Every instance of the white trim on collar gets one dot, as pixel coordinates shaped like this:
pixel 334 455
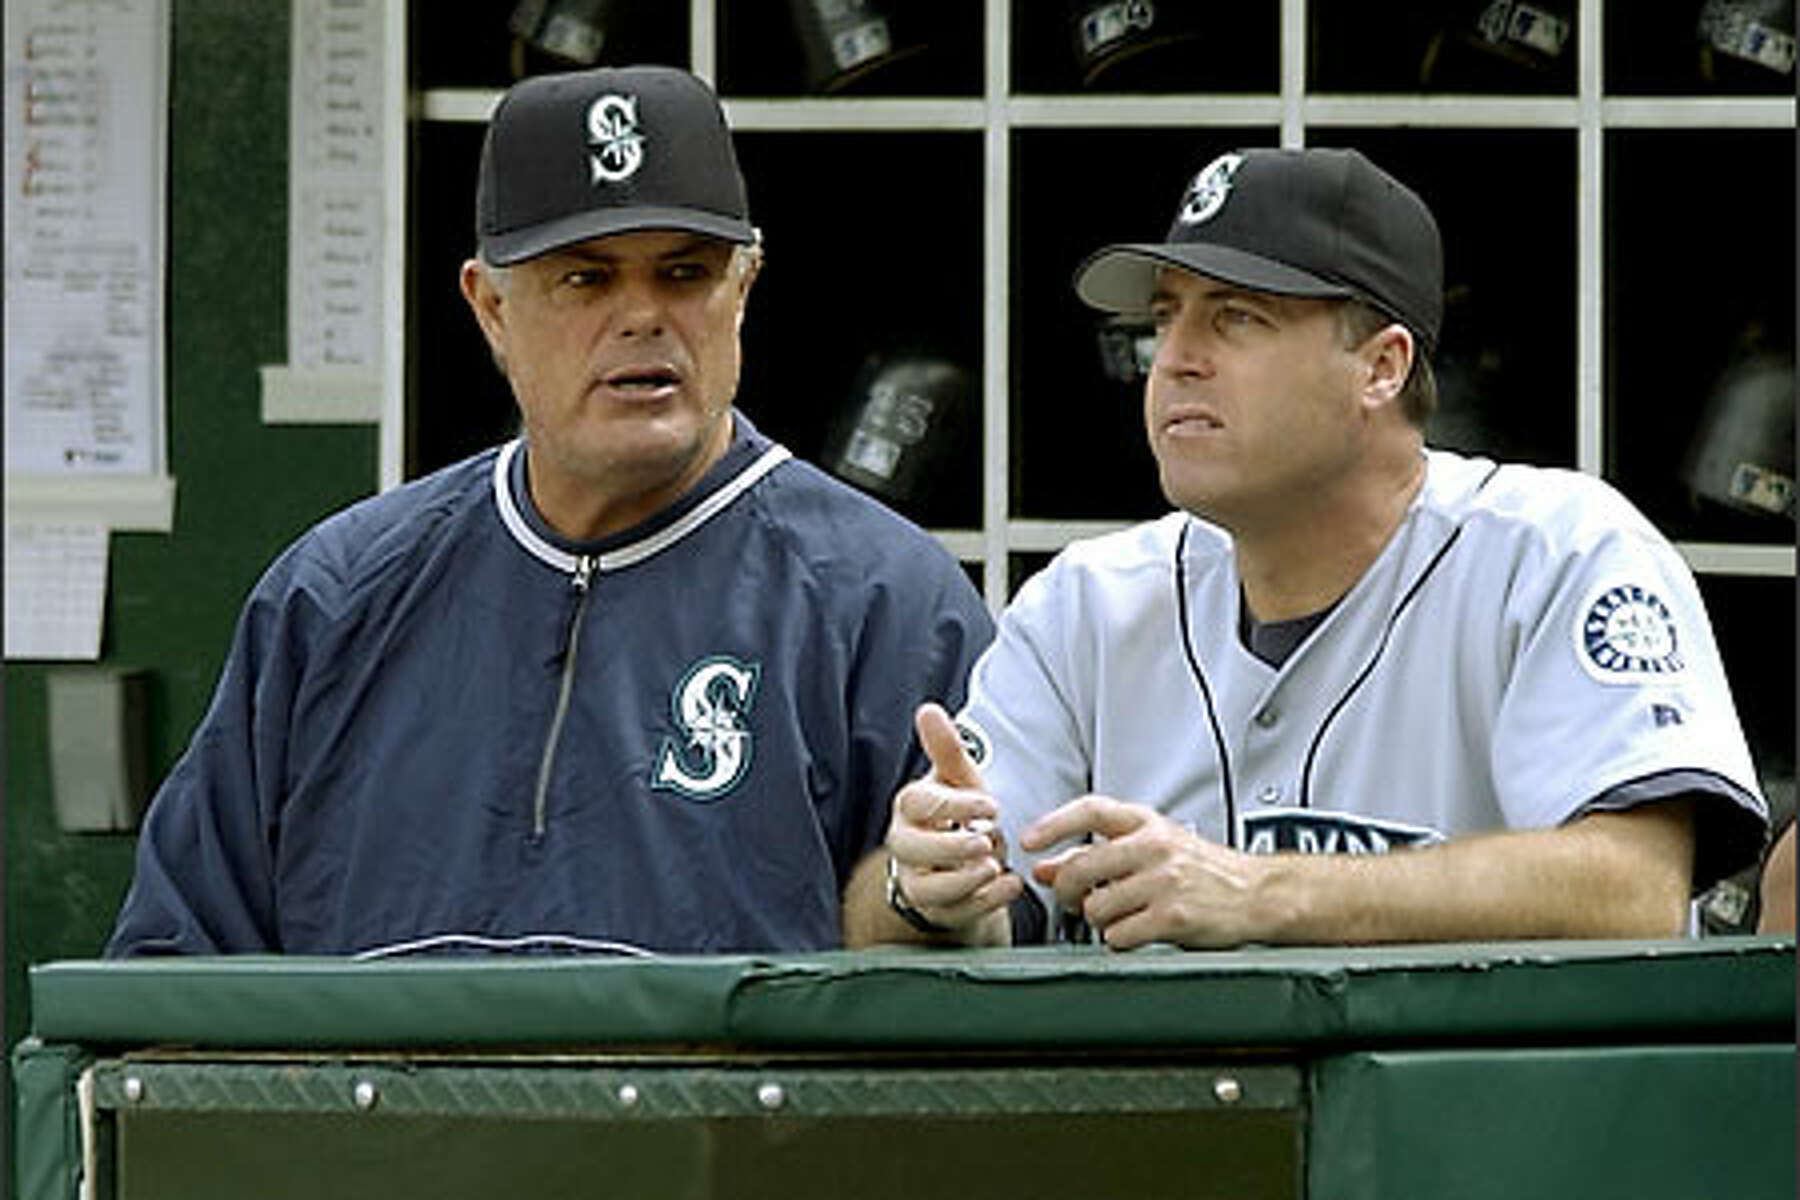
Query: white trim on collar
pixel 636 552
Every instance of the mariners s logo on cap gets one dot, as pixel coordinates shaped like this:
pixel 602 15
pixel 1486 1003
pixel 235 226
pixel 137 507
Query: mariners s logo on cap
pixel 616 146
pixel 1207 193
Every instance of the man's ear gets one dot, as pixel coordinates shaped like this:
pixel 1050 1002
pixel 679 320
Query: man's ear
pixel 748 268
pixel 753 266
pixel 487 301
pixel 1388 356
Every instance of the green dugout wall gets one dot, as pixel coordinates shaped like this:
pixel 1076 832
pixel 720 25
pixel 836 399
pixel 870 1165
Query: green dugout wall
pixel 243 488
pixel 1591 1069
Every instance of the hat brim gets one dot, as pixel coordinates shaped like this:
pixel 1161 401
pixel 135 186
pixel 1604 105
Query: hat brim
pixel 505 249
pixel 1121 279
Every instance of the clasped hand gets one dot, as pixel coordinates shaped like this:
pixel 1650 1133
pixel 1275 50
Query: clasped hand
pixel 1135 876
pixel 949 856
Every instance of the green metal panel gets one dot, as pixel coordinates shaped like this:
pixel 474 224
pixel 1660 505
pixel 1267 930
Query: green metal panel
pixel 198 1130
pixel 47 1145
pixel 651 1090
pixel 1636 1123
pixel 1159 1156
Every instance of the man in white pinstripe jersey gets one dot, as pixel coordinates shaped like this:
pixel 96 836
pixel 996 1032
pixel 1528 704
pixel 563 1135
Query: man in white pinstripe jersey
pixel 1353 689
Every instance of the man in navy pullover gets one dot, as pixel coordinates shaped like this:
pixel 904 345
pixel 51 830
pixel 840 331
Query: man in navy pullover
pixel 635 681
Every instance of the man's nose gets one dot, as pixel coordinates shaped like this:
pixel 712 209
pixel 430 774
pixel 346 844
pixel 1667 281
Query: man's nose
pixel 1183 347
pixel 641 312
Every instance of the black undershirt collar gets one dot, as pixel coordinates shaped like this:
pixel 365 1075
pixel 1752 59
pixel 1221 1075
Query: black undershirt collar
pixel 1274 641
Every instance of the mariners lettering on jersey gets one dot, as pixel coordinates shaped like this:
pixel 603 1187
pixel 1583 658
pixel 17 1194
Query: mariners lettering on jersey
pixel 617 146
pixel 1311 831
pixel 1626 633
pixel 712 709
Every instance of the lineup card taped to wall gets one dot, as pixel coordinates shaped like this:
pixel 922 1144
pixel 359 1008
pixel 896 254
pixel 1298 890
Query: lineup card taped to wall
pixel 85 116
pixel 336 200
pixel 86 111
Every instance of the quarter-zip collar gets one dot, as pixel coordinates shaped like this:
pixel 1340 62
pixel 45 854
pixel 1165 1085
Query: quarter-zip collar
pixel 747 460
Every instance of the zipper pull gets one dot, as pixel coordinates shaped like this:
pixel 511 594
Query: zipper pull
pixel 584 572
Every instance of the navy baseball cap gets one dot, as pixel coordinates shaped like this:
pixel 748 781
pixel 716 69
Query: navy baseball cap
pixel 1315 222
pixel 586 154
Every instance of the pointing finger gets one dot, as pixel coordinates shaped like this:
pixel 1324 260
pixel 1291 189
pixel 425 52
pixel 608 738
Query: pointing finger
pixel 944 746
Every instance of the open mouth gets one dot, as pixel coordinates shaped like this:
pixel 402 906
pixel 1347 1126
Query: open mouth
pixel 644 379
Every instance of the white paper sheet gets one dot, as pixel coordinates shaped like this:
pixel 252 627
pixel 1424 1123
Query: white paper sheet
pixel 85 120
pixel 55 589
pixel 336 199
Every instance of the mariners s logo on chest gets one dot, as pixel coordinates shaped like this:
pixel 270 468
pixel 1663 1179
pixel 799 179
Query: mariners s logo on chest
pixel 710 750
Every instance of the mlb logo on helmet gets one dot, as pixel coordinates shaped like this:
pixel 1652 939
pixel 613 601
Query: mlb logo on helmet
pixel 1123 40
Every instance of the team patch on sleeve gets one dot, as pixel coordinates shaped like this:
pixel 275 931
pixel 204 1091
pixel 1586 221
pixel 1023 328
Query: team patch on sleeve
pixel 1626 634
pixel 974 740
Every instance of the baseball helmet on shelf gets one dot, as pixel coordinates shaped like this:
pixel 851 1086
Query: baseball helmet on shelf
pixel 1128 41
pixel 845 42
pixel 562 35
pixel 1752 40
pixel 906 419
pixel 1501 42
pixel 1742 454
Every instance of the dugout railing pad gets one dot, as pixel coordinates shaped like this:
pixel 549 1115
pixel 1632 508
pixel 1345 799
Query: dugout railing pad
pixel 1643 1069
